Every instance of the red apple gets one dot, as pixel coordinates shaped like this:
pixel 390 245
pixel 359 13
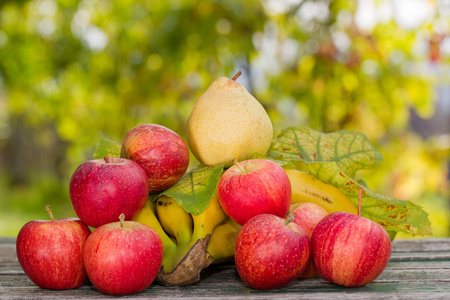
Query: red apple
pixel 252 187
pixel 270 252
pixel 162 154
pixel 51 252
pixel 350 250
pixel 307 216
pixel 102 189
pixel 123 257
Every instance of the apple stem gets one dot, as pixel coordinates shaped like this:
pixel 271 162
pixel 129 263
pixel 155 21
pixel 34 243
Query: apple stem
pixel 49 210
pixel 289 219
pixel 236 163
pixel 106 158
pixel 121 219
pixel 236 76
pixel 360 190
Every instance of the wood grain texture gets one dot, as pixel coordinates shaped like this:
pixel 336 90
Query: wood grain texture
pixel 418 269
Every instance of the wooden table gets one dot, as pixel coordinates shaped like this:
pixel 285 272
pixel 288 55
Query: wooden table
pixel 418 269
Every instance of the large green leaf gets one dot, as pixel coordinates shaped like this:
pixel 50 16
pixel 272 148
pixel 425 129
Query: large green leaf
pixel 196 188
pixel 107 148
pixel 392 214
pixel 335 158
pixel 351 150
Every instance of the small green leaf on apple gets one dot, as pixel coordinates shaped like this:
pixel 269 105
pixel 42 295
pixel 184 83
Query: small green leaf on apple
pixel 194 191
pixel 107 148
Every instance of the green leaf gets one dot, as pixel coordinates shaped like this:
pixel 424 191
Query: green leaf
pixel 392 214
pixel 107 148
pixel 351 150
pixel 335 158
pixel 196 188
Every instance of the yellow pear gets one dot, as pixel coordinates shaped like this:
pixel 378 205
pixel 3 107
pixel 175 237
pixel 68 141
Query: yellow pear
pixel 228 122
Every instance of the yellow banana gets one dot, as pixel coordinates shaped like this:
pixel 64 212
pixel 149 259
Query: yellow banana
pixel 205 222
pixel 172 253
pixel 222 241
pixel 174 219
pixel 185 253
pixel 307 188
pixel 148 217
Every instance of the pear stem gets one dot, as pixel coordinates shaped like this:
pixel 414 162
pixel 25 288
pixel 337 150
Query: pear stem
pixel 236 163
pixel 121 219
pixel 236 76
pixel 106 158
pixel 49 210
pixel 360 190
pixel 289 219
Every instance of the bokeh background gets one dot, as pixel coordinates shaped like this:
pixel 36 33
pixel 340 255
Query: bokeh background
pixel 73 71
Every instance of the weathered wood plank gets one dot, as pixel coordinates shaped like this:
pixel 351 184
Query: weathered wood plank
pixel 400 256
pixel 225 282
pixel 421 245
pixel 405 264
pixel 7 249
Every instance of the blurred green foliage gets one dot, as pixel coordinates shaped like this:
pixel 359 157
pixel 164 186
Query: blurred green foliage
pixel 73 71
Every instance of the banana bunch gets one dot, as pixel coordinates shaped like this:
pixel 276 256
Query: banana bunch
pixel 191 242
pixel 307 188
